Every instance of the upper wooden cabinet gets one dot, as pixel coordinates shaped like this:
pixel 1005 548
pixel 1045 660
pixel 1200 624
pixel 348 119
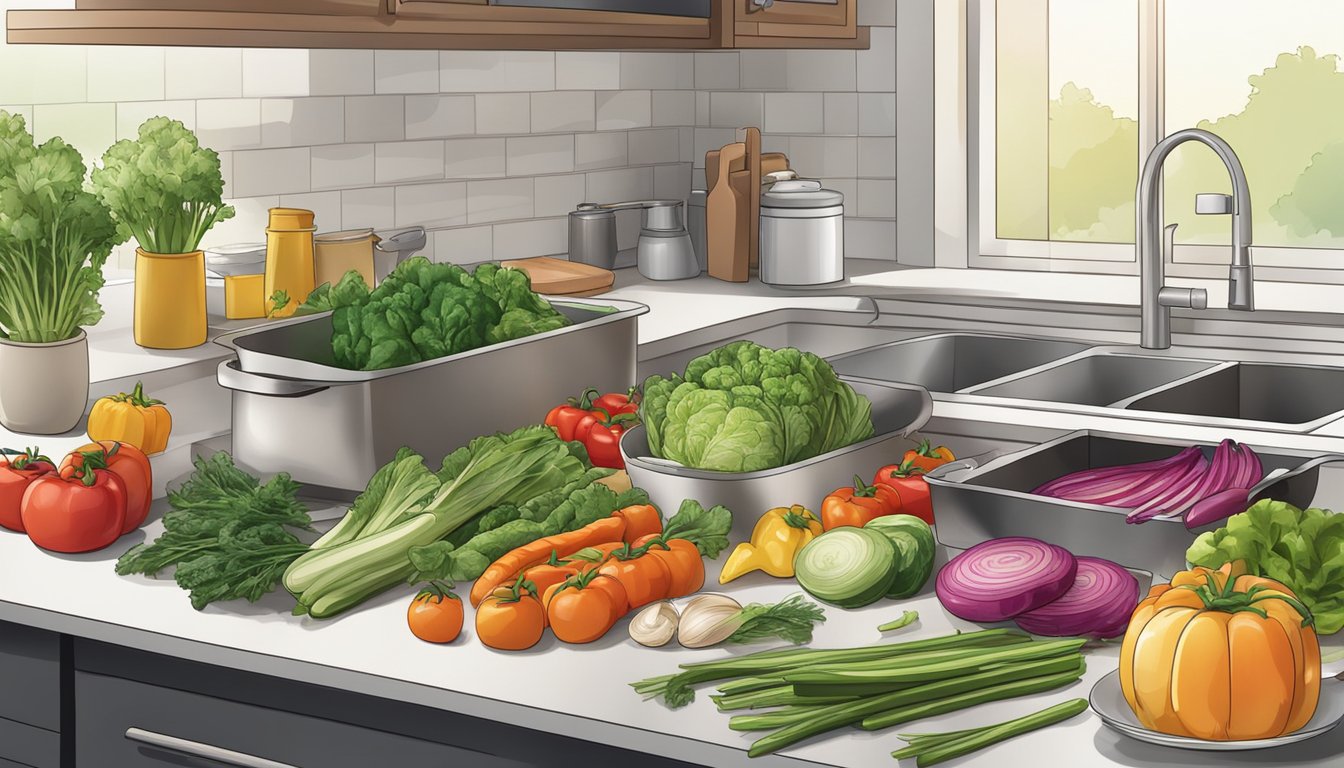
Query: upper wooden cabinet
pixel 444 24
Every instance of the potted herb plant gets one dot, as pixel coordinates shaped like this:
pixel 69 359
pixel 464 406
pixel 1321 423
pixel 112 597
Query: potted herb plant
pixel 165 190
pixel 55 237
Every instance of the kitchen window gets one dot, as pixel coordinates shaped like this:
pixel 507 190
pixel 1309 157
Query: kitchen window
pixel 1070 95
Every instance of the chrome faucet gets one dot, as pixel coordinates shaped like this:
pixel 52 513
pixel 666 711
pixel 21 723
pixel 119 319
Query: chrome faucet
pixel 1156 298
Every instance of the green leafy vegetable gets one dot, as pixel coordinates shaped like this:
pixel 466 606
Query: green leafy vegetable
pixel 518 525
pixel 500 469
pixel 791 619
pixel 424 310
pixel 227 533
pixel 164 189
pixel 707 529
pixel 55 238
pixel 744 407
pixel 1303 549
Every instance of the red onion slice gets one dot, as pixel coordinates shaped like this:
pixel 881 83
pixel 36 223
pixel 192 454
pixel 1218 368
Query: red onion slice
pixel 1001 578
pixel 1098 604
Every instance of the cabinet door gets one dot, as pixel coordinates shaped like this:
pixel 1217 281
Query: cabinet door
pixel 131 724
pixel 821 12
pixel 30 676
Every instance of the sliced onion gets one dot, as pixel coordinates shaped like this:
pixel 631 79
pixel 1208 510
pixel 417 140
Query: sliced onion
pixel 1098 604
pixel 1175 495
pixel 1081 481
pixel 1001 578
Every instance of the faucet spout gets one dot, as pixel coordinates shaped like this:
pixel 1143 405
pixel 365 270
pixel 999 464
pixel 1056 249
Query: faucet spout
pixel 1156 313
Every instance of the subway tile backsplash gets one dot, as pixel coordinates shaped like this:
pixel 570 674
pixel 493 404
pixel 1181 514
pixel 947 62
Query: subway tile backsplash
pixel 487 149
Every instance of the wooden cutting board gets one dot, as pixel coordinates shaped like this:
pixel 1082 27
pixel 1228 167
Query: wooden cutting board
pixel 559 277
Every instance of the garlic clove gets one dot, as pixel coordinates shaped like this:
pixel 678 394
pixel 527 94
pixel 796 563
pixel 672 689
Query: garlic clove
pixel 655 625
pixel 708 620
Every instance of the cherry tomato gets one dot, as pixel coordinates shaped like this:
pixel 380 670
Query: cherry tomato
pixel 645 578
pixel 18 470
pixel 435 615
pixel 583 609
pixel 615 403
pixel 130 465
pixel 79 514
pixel 511 618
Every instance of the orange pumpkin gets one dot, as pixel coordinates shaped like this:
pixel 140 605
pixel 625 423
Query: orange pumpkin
pixel 1220 655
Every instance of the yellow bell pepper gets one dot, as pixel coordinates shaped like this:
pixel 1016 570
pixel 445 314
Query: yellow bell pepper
pixel 775 542
pixel 132 419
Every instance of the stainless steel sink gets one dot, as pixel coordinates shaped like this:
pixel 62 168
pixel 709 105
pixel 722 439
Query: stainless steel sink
pixel 1095 379
pixel 951 362
pixel 1298 396
pixel 823 332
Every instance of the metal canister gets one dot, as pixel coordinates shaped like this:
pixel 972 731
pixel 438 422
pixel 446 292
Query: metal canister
pixel 339 252
pixel 592 237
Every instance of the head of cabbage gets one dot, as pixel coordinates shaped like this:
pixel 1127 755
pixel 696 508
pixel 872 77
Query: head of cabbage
pixel 744 407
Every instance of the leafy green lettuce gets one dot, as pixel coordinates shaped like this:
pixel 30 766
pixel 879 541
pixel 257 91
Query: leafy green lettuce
pixel 1303 549
pixel 744 407
pixel 423 311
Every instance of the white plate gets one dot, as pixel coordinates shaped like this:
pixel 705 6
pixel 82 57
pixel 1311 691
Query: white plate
pixel 1108 701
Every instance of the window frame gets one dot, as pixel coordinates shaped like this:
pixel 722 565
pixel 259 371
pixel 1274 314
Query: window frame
pixel 986 250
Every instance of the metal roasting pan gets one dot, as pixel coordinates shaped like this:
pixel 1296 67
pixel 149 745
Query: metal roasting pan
pixel 293 409
pixel 898 410
pixel 974 502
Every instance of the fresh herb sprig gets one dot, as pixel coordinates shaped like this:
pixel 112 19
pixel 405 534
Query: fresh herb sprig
pixel 228 534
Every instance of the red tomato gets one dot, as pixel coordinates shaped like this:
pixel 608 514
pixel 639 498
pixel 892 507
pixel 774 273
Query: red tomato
pixel 856 506
pixel 615 404
pixel 130 465
pixel 905 478
pixel 17 472
pixel 80 514
pixel 602 438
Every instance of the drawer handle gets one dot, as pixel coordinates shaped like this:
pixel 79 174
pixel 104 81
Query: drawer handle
pixel 197 749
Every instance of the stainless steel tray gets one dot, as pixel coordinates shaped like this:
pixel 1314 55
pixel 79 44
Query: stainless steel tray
pixel 993 500
pixel 332 427
pixel 898 410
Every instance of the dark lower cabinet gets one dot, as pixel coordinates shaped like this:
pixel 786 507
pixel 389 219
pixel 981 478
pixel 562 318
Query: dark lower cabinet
pixel 30 696
pixel 135 709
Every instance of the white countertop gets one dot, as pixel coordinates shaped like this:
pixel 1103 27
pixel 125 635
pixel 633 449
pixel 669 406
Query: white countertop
pixel 370 650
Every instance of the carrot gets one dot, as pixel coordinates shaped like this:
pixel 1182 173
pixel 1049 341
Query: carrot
pixel 640 520
pixel 590 558
pixel 514 562
pixel 551 572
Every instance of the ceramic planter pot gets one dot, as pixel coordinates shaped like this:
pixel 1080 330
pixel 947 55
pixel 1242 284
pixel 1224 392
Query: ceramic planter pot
pixel 44 387
pixel 169 299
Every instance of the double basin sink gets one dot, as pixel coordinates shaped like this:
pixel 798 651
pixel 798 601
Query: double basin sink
pixel 1034 372
pixel 1037 372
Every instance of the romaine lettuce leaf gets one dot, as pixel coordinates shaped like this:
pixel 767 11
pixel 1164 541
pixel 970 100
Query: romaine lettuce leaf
pixel 1303 549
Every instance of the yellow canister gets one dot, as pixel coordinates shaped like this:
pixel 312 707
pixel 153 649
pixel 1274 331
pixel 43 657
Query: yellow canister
pixel 340 252
pixel 169 299
pixel 244 296
pixel 289 258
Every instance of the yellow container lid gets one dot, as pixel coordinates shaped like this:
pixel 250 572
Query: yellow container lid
pixel 291 218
